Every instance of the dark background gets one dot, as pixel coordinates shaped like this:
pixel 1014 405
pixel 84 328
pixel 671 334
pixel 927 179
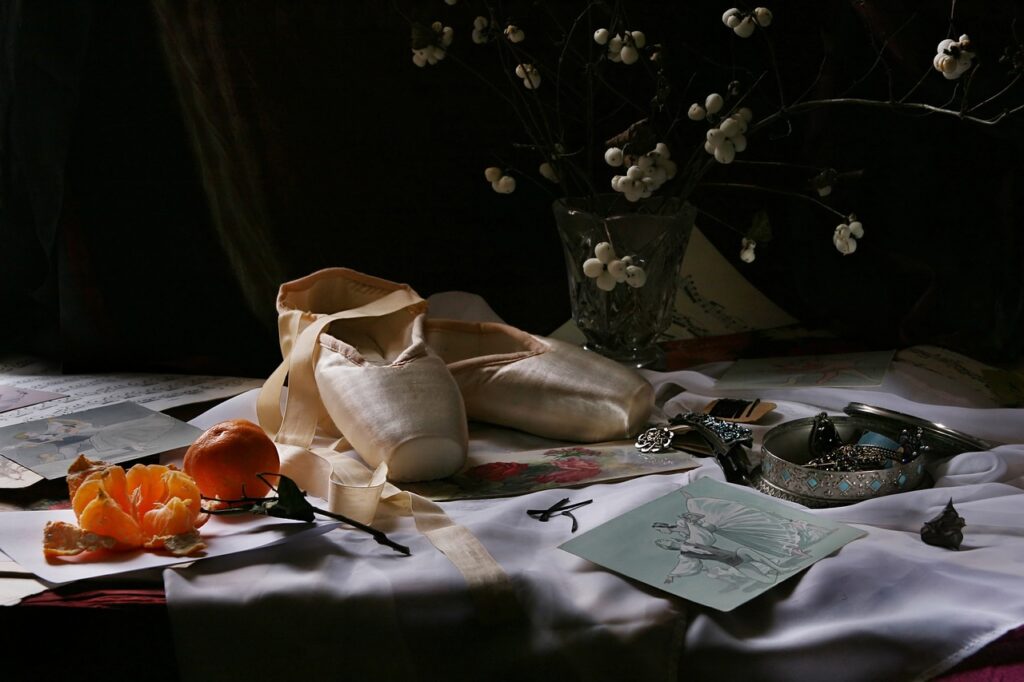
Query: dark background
pixel 166 165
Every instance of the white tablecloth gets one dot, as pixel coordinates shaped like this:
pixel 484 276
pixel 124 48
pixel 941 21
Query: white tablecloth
pixel 887 606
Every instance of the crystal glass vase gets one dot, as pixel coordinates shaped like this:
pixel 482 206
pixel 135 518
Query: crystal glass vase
pixel 623 262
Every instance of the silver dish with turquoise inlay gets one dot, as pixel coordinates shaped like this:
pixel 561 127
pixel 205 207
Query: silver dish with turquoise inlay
pixel 783 472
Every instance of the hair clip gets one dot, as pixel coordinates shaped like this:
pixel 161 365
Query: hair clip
pixel 560 508
pixel 738 410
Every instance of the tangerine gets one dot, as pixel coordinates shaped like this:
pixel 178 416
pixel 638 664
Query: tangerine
pixel 227 458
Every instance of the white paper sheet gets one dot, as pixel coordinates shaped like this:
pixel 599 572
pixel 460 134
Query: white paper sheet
pixel 14 397
pixel 16 583
pixel 21 538
pixel 83 391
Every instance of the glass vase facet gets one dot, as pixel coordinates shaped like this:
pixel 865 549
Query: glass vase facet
pixel 624 322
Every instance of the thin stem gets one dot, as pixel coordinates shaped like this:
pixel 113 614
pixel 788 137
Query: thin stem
pixel 997 95
pixel 377 535
pixel 924 76
pixel 909 107
pixel 880 54
pixel 262 505
pixel 777 164
pixel 720 221
pixel 772 190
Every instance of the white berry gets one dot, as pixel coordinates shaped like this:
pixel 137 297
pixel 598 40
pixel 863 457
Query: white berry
pixel 613 157
pixel 745 28
pixel 605 281
pixel 747 254
pixel 635 276
pixel 731 127
pixel 629 54
pixel 514 34
pixel 506 184
pixel 725 152
pixel 763 16
pixel 604 252
pixel 592 267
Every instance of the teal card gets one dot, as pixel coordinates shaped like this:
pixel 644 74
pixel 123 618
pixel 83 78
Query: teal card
pixel 712 543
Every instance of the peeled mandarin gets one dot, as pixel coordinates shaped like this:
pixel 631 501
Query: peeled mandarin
pixel 150 506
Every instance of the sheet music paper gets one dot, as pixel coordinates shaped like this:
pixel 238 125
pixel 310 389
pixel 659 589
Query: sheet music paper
pixel 84 391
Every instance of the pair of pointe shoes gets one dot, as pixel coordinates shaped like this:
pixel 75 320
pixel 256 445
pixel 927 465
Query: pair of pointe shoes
pixel 400 386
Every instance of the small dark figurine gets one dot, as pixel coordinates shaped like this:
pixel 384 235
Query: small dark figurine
pixel 945 530
pixel 824 438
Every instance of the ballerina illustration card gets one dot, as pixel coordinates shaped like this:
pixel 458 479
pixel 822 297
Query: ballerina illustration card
pixel 112 433
pixel 712 543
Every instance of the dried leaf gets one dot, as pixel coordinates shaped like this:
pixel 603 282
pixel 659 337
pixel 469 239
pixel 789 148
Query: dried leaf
pixel 760 228
pixel 945 530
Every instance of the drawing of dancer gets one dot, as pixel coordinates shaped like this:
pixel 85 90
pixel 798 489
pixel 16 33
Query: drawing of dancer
pixel 758 530
pixel 696 557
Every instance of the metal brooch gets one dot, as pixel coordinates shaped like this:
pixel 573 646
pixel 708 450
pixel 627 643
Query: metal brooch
pixel 726 440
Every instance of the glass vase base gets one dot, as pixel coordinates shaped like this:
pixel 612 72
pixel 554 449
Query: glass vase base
pixel 651 357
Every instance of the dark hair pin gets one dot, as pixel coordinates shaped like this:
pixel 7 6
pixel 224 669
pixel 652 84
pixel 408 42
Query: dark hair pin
pixel 560 508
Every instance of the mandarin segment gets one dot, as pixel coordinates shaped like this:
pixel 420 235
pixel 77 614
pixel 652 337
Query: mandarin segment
pixel 102 516
pixel 178 484
pixel 85 494
pixel 147 486
pixel 172 518
pixel 115 483
pixel 227 458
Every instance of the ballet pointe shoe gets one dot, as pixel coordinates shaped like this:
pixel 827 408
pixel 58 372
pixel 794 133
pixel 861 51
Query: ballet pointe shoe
pixel 393 399
pixel 316 300
pixel 539 385
pixel 330 291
